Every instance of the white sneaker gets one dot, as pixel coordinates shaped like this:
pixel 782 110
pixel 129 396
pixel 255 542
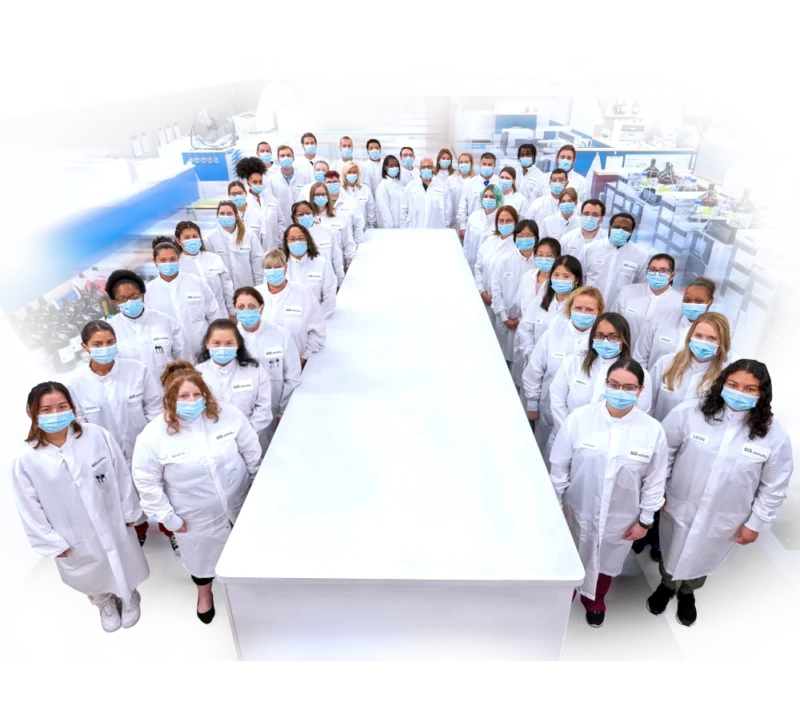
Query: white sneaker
pixel 174 543
pixel 131 612
pixel 109 615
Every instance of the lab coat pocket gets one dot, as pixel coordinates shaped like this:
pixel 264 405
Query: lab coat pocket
pixel 196 309
pixel 80 556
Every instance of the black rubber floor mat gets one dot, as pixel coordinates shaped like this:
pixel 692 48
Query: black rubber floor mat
pixel 631 634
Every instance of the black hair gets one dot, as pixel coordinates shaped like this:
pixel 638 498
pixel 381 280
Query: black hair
pixel 248 166
pixel 708 284
pixel 557 171
pixel 623 329
pixel 187 224
pixel 570 263
pixel 759 419
pixel 598 202
pixel 162 242
pixel 34 401
pixel 124 276
pixel 623 215
pixel 243 357
pixel 531 225
pixel 526 146
pixel 554 244
pixel 384 173
pixel 630 365
pixel 250 291
pixel 377 142
pixel 96 325
pixel 311 246
pixel 666 257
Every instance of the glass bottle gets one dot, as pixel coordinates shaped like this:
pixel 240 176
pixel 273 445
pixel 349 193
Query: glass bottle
pixel 667 181
pixel 709 201
pixel 651 175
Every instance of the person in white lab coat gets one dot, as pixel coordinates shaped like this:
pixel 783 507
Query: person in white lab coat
pixel 183 296
pixel 494 248
pixel 669 333
pixel 238 247
pixel 565 160
pixel 507 181
pixel 481 223
pixel 472 190
pixel 613 264
pixel 235 377
pixel 360 195
pixel 310 268
pixel 143 333
pixel 542 207
pixel 561 340
pixel 346 155
pixel 193 467
pixel 608 468
pixel 646 303
pixel 303 214
pixel 574 242
pixel 257 206
pixel 389 196
pixel 288 181
pixel 304 195
pixel 344 213
pixel 427 203
pixel 529 176
pixel 309 158
pixel 250 212
pixel 444 166
pixel 581 380
pixel 565 219
pixel 338 223
pixel 196 259
pixel 730 464
pixel 457 182
pixel 372 169
pixel 292 306
pixel 533 283
pixel 407 170
pixel 264 152
pixel 506 277
pixel 73 490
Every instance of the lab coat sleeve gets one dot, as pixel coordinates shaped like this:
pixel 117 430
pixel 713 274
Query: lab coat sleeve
pixel 152 396
pixel 645 400
pixel 498 300
pixel 448 204
pixel 775 475
pixel 80 414
pixel 148 476
pixel 256 259
pixel 463 213
pixel 316 329
pixel 674 426
pixel 655 383
pixel 180 344
pixel 561 460
pixel 329 285
pixel 523 208
pixel 348 243
pixel 127 492
pixel 641 273
pixel 227 289
pixel 651 496
pixel 525 330
pixel 559 391
pixel 641 349
pixel 248 444
pixel 372 220
pixel 533 374
pixel 291 371
pixel 382 208
pixel 213 310
pixel 281 222
pixel 337 261
pixel 261 417
pixel 479 273
pixel 43 538
pixel 405 208
pixel 357 222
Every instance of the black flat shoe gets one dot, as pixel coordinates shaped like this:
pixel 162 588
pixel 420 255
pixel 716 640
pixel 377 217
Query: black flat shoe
pixel 595 618
pixel 655 554
pixel 208 616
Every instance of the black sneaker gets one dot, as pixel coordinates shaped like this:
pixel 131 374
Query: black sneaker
pixel 595 618
pixel 142 539
pixel 687 612
pixel 657 603
pixel 639 545
pixel 655 554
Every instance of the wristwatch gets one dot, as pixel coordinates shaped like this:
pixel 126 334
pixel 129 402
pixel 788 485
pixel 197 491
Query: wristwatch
pixel 646 527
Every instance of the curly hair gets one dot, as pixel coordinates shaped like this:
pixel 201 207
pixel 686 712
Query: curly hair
pixel 173 381
pixel 249 166
pixel 759 419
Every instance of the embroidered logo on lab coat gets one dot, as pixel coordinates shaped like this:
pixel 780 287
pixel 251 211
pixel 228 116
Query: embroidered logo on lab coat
pixel 631 310
pixel 665 340
pixel 135 397
pixel 507 274
pixel 558 355
pixel 630 265
pixel 314 276
pixel 754 451
pixel 588 445
pixel 244 248
pixel 599 261
pixel 581 382
pixel 99 461
pixel 194 297
pixel 215 270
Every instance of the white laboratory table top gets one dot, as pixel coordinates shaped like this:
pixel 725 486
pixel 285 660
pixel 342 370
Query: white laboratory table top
pixel 405 453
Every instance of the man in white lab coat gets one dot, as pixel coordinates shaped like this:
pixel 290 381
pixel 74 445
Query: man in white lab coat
pixel 472 191
pixel 427 201
pixel 574 242
pixel 565 160
pixel 287 182
pixel 346 154
pixel 546 205
pixel 372 170
pixel 309 157
pixel 407 170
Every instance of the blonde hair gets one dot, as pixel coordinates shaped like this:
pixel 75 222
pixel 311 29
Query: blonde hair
pixel 450 170
pixel 240 228
pixel 471 164
pixel 274 255
pixel 352 167
pixel 593 292
pixel 318 210
pixel 676 370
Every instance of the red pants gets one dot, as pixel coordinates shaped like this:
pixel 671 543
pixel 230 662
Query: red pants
pixel 599 604
pixel 141 530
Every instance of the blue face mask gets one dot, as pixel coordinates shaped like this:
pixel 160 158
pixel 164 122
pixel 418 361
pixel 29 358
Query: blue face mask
pixel 351 178
pixel 334 187
pixel 392 171
pixel 256 188
pixel 545 264
pixel 505 229
pixel 319 175
pixel 692 311
pixel 286 162
pixel 702 350
pixel 223 355
pixel 567 208
pixel 53 423
pixel 486 172
pixel 561 286
pixel 656 280
pixel 320 201
pixel 374 155
pixel 618 237
pixel 505 184
pixel 489 203
pixel 582 321
pixel 190 410
pixel 463 168
pixel 525 243
pixel 407 161
pixel 619 399
pixel 347 152
pixel 239 200
pixel 132 308
pixel 306 221
pixel 192 246
pixel 249 317
pixel 565 165
pixel 445 164
pixel 737 400
pixel 225 220
pixel 266 157
pixel 274 276
pixel 297 249
pixel 590 224
pixel 426 173
pixel 168 269
pixel 607 349
pixel 556 188
pixel 104 355
pixel 311 150
pixel 526 161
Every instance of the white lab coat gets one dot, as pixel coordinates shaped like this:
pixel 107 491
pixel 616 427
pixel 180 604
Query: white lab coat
pixel 575 244
pixel 491 251
pixel 640 306
pixel 317 276
pixel 389 199
pixel 720 480
pixel 426 209
pixel 273 221
pixel 516 200
pixel 560 341
pixel 153 338
pixel 665 337
pixel 305 166
pixel 407 175
pixel 534 322
pixel 346 204
pixel 338 166
pixel 540 209
pixel 506 276
pixel 343 230
pixel 610 269
pixel 286 192
pixel 122 401
pixel 242 260
pixel 253 217
pixel 188 299
pixel 298 311
pixel 200 476
pixel 328 248
pixel 212 270
pixel 556 225
pixel 363 203
pixel 529 183
pixel 665 400
pixel 79 497
pixel 471 195
pixel 479 226
pixel 456 184
pixel 574 180
pixel 371 175
pixel 608 474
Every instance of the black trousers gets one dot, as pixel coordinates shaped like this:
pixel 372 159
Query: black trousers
pixel 202 581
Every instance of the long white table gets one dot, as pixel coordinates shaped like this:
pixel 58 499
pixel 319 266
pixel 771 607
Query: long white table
pixel 403 511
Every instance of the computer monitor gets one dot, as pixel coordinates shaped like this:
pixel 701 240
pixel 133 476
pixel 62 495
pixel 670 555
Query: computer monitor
pixel 714 158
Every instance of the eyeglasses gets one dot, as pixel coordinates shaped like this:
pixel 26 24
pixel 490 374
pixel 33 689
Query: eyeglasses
pixel 132 298
pixel 662 272
pixel 607 337
pixel 611 384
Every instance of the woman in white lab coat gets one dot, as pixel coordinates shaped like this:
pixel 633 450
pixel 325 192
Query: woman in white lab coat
pixel 239 248
pixel 183 296
pixel 292 306
pixel 609 467
pixel 359 194
pixel 669 333
pixel 565 219
pixel 511 196
pixel 730 464
pixel 308 267
pixel 261 212
pixel 74 493
pixel 193 467
pixel 561 340
pixel 481 223
pixel 389 195
pixel 339 224
pixel 444 169
pixel 492 251
pixel 344 214
pixel 196 259
pixel 303 214
pixel 250 212
pixel 533 283
pixel 234 376
pixel 143 333
pixel 456 183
